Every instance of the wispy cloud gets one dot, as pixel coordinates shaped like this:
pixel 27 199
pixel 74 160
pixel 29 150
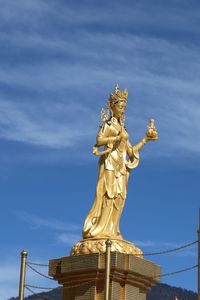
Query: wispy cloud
pixel 144 243
pixel 38 125
pixel 70 233
pixel 38 222
pixel 68 238
pixel 170 15
pixel 81 67
pixel 20 12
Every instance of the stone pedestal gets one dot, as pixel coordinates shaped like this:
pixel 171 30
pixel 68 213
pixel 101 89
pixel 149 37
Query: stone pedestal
pixel 83 276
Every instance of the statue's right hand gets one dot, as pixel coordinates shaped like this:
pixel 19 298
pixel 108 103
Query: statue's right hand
pixel 118 138
pixel 123 136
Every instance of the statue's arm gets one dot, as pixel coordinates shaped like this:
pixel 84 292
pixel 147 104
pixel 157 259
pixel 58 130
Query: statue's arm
pixel 102 141
pixel 104 136
pixel 140 145
pixel 131 150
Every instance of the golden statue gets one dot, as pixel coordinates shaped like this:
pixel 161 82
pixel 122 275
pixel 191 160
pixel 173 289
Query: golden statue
pixel 103 219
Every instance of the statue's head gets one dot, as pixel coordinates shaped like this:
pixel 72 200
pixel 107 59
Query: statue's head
pixel 117 102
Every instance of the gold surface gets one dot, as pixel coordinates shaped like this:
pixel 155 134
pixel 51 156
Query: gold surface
pixel 107 277
pixel 24 255
pixel 103 219
pixel 152 132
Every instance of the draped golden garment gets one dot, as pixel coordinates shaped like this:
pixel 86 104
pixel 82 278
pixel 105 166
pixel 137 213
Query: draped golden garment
pixel 103 218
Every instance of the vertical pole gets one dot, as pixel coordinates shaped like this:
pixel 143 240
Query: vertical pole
pixel 199 258
pixel 22 274
pixel 107 278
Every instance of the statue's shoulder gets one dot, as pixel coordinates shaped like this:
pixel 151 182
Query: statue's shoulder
pixel 109 126
pixel 104 128
pixel 106 124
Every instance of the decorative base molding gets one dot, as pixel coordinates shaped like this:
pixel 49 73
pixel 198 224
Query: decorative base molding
pixel 89 246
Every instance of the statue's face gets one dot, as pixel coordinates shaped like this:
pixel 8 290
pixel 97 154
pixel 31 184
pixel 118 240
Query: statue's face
pixel 118 108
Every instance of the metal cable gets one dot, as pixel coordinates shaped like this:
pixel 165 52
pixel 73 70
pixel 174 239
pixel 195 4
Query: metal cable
pixel 30 290
pixel 138 254
pixel 38 287
pixel 170 250
pixel 28 287
pixel 176 272
pixel 36 264
pixel 39 296
pixel 43 275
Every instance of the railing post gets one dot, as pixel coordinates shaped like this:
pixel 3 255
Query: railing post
pixel 107 277
pixel 22 274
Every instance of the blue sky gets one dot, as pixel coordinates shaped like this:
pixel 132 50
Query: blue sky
pixel 59 61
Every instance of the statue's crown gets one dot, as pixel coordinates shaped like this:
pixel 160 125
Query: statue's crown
pixel 123 95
